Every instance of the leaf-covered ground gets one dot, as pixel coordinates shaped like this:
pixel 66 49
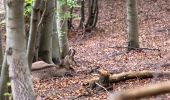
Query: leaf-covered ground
pixel 94 50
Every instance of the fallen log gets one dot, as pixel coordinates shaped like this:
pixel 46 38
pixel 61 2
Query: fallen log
pixel 124 76
pixel 150 90
pixel 39 65
pixel 137 74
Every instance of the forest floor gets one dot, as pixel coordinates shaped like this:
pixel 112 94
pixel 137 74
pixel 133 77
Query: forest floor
pixel 94 51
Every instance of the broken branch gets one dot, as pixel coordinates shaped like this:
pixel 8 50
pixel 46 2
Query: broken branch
pixel 145 91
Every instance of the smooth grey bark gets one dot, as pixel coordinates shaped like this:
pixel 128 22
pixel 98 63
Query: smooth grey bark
pixel 1 52
pixel 34 29
pixel 55 44
pixel 132 22
pixel 62 29
pixel 4 79
pixel 1 49
pixel 45 49
pixel 19 74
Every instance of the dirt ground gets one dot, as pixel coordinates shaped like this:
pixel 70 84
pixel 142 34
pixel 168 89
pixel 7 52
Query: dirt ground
pixel 94 51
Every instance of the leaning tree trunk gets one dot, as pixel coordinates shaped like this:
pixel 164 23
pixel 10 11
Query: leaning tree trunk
pixel 45 49
pixel 132 22
pixel 62 29
pixel 34 29
pixel 21 82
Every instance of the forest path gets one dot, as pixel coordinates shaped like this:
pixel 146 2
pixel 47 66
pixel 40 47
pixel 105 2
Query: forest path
pixel 94 50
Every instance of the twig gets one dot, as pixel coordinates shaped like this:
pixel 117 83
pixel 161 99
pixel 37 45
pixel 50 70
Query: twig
pixel 102 87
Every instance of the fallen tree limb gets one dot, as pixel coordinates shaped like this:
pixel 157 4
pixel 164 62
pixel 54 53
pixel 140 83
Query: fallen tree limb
pixel 145 91
pixel 137 74
pixel 104 76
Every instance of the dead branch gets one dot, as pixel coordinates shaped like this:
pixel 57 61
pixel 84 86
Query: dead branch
pixel 145 91
pixel 137 74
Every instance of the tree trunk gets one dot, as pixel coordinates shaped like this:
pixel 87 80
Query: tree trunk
pixel 21 82
pixel 81 25
pixel 93 15
pixel 70 19
pixel 45 50
pixel 4 79
pixel 55 45
pixel 1 49
pixel 1 52
pixel 132 22
pixel 62 29
pixel 34 29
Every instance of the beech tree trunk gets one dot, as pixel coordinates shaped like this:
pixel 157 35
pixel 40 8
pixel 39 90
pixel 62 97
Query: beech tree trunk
pixel 45 49
pixel 62 28
pixel 55 44
pixel 34 29
pixel 132 22
pixel 21 82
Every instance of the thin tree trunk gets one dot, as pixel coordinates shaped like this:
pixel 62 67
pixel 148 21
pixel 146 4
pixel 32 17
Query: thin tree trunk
pixel 70 25
pixel 93 15
pixel 81 25
pixel 34 29
pixel 89 12
pixel 45 50
pixel 96 12
pixel 132 22
pixel 1 49
pixel 4 79
pixel 1 52
pixel 62 29
pixel 21 82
